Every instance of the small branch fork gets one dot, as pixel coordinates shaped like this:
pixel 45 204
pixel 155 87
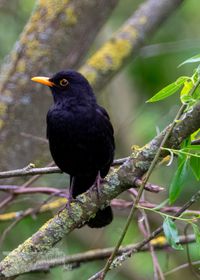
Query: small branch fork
pixel 30 170
pixel 144 181
pixel 75 260
pixel 21 259
pixel 118 261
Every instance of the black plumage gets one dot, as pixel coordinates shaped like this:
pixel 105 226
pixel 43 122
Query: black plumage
pixel 80 135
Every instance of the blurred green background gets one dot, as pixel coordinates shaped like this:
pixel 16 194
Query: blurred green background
pixel 135 123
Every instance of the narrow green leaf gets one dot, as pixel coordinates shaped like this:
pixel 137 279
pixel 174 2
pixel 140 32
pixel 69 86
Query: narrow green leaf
pixel 195 166
pixel 196 233
pixel 196 94
pixel 192 59
pixel 198 71
pixel 192 148
pixel 188 85
pixel 188 100
pixel 195 135
pixel 171 233
pixel 168 90
pixel 178 180
pixel 186 142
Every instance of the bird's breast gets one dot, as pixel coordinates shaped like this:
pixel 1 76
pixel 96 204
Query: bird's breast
pixel 71 137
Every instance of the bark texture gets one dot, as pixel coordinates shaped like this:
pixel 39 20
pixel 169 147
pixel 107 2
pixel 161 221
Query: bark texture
pixel 23 258
pixel 57 36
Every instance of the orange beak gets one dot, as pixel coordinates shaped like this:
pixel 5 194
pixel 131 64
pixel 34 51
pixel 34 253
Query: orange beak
pixel 43 80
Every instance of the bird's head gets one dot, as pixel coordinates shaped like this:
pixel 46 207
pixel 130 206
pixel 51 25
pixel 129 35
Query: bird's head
pixel 67 84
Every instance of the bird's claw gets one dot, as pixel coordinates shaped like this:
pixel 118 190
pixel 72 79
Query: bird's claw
pixel 96 186
pixel 70 200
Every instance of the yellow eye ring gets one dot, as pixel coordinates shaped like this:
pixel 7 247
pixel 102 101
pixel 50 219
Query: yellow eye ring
pixel 64 82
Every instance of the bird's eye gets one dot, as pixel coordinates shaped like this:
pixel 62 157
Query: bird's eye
pixel 64 82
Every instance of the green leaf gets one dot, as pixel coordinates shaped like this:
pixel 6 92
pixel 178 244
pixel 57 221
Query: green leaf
pixel 196 94
pixel 192 59
pixel 188 85
pixel 197 234
pixel 192 148
pixel 195 135
pixel 186 142
pixel 195 166
pixel 178 180
pixel 198 71
pixel 171 233
pixel 168 90
pixel 187 99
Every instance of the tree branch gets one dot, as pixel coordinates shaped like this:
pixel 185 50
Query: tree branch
pixel 23 258
pixel 127 41
pixel 30 170
pixel 159 243
pixel 58 35
pixel 20 190
pixel 119 260
pixel 116 203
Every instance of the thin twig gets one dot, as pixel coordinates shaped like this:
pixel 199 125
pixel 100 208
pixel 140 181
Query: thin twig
pixel 155 233
pixel 116 203
pixel 9 198
pixel 140 191
pixel 50 206
pixel 148 186
pixel 145 180
pixel 21 216
pixel 100 254
pixel 44 170
pixel 194 271
pixel 28 172
pixel 30 136
pixel 21 190
pixel 158 274
pixel 182 266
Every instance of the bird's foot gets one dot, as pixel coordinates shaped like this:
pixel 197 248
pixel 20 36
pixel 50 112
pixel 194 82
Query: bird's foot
pixel 67 206
pixel 69 209
pixel 96 186
pixel 70 200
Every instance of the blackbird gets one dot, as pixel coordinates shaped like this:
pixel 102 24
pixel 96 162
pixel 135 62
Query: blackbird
pixel 80 135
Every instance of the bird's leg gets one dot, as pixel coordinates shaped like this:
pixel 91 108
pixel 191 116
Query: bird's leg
pixel 99 180
pixel 70 197
pixel 98 183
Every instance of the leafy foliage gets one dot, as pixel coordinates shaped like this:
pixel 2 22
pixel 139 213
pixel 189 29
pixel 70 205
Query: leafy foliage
pixel 187 83
pixel 192 59
pixel 178 180
pixel 197 234
pixel 168 90
pixel 188 155
pixel 171 233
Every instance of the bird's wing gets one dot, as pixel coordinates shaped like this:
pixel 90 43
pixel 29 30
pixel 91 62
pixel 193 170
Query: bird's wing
pixel 107 138
pixel 103 113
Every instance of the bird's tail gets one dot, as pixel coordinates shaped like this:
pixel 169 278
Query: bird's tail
pixel 104 216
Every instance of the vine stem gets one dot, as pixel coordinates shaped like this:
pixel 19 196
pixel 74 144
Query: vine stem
pixel 144 181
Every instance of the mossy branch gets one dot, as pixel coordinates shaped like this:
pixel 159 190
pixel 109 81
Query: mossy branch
pixel 127 41
pixel 57 36
pixel 22 259
pixel 158 243
pixel 53 39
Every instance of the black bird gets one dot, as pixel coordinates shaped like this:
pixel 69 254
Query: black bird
pixel 80 135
